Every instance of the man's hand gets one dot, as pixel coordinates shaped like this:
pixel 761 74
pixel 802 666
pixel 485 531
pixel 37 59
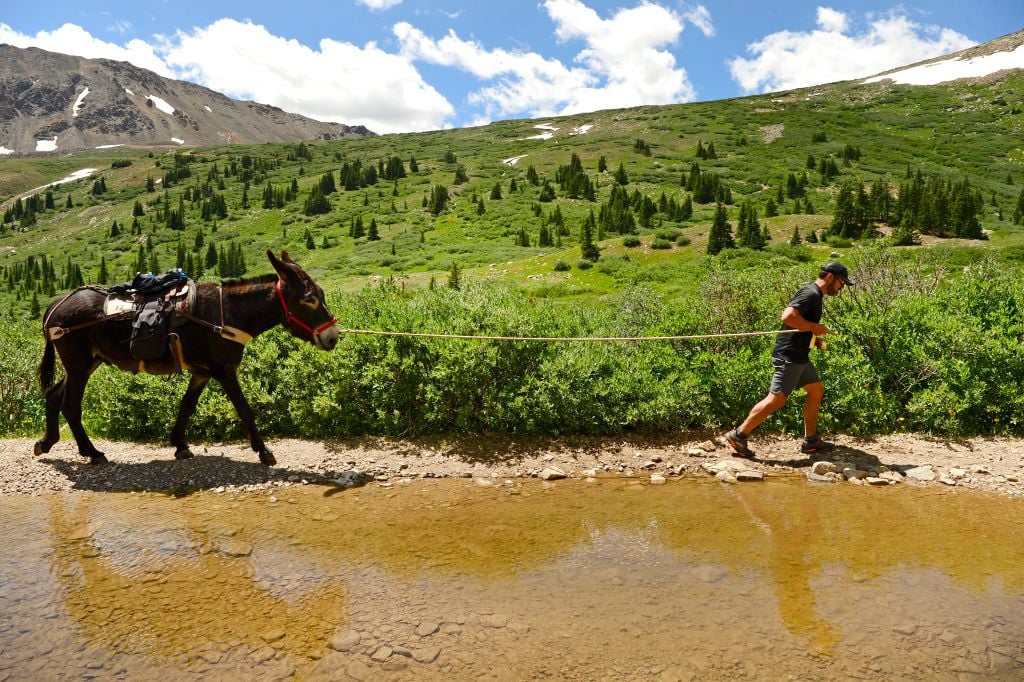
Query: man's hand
pixel 820 330
pixel 819 343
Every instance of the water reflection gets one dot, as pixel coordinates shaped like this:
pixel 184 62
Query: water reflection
pixel 444 579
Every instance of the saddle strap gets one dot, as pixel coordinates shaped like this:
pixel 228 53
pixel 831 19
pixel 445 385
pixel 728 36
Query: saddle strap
pixel 54 333
pixel 224 331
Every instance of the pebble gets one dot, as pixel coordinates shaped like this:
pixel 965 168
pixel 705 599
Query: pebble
pixel 426 628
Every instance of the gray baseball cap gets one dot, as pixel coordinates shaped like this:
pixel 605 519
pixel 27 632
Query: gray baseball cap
pixel 839 270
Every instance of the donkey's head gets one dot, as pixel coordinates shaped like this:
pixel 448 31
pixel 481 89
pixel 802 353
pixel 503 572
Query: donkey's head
pixel 305 313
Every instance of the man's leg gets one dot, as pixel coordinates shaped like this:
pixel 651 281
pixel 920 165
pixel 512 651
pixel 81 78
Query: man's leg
pixel 761 411
pixel 812 408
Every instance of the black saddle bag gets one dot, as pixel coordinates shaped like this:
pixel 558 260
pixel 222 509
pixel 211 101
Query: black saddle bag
pixel 149 330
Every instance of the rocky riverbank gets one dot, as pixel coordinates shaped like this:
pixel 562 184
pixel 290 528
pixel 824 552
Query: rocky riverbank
pixel 991 464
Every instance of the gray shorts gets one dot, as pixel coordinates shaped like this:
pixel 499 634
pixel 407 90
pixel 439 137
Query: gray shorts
pixel 790 376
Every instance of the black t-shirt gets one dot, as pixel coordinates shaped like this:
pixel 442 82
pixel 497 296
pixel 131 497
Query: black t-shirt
pixel 796 347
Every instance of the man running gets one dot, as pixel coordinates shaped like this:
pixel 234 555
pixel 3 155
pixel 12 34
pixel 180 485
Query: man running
pixel 793 367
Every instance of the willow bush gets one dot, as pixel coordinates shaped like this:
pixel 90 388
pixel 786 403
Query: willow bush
pixel 916 349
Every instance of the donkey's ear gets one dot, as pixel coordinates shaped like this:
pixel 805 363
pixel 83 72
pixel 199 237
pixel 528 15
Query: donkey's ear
pixel 280 267
pixel 285 258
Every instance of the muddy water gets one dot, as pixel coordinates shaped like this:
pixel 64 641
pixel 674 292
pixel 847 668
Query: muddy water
pixel 450 580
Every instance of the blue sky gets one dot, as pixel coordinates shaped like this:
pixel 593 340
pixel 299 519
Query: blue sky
pixel 405 65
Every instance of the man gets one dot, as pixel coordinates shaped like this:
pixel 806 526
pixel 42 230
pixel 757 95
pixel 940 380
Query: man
pixel 793 367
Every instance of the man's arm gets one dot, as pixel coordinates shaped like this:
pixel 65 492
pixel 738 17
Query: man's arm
pixel 792 317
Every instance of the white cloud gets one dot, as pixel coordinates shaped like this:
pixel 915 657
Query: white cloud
pixel 792 59
pixel 338 82
pixel 379 5
pixel 832 20
pixel 700 17
pixel 624 63
pixel 73 39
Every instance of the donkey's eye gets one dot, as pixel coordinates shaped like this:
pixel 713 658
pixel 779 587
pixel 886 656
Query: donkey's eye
pixel 310 301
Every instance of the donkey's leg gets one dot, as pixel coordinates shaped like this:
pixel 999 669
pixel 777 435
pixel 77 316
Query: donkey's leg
pixel 54 397
pixel 74 389
pixel 185 412
pixel 229 381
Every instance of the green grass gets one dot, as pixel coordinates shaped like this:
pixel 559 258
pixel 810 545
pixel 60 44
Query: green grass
pixel 956 130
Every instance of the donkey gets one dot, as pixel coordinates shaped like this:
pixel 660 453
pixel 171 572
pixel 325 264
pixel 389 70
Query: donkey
pixel 209 345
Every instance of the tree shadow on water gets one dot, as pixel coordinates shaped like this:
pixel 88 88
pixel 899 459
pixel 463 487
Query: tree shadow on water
pixel 201 473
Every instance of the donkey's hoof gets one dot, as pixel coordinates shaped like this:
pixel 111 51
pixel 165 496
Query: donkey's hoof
pixel 267 458
pixel 41 448
pixel 183 453
pixel 97 458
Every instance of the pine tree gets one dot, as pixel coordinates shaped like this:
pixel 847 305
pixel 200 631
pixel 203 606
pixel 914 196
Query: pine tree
pixel 620 175
pixel 310 244
pixel 438 199
pixel 454 277
pixel 588 248
pixel 102 275
pixel 496 191
pixel 602 164
pixel 795 239
pixel 480 209
pixel 69 203
pixel 137 210
pixel 373 234
pixel 720 236
pixel 460 175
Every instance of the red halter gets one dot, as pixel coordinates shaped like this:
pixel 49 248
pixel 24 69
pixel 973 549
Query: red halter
pixel 292 319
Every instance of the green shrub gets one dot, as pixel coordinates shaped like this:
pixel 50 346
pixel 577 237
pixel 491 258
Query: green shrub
pixel 584 264
pixel 682 240
pixel 667 234
pixel 562 266
pixel 661 244
pixel 631 241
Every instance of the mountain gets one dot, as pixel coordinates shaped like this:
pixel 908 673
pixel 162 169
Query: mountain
pixel 58 102
pixel 987 60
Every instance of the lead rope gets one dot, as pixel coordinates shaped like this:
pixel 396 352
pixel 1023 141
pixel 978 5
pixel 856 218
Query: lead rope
pixel 564 338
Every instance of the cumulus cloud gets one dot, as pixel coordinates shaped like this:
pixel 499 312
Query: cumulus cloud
pixel 337 82
pixel 625 62
pixel 700 17
pixel 832 52
pixel 73 39
pixel 379 5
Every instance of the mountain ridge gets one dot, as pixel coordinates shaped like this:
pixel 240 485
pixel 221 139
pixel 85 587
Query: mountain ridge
pixel 51 101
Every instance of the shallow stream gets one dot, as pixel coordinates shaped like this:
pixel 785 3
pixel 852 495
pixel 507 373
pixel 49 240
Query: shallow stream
pixel 453 580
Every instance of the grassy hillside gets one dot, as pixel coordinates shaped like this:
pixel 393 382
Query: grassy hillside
pixel 960 131
pixel 930 340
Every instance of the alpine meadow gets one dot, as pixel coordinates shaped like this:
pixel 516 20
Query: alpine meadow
pixel 691 219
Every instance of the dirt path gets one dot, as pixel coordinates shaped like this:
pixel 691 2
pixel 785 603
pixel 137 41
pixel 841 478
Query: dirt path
pixel 992 464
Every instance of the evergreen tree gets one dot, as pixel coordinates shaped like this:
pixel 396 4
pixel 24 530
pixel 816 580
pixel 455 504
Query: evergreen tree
pixel 532 177
pixel 602 164
pixel 115 230
pixel 67 204
pixel 373 234
pixel 438 199
pixel 413 166
pixel 454 277
pixel 102 275
pixel 137 210
pixel 620 175
pixel 720 236
pixel 770 209
pixel 480 209
pixel 460 175
pixel 496 191
pixel 588 249
pixel 310 244
pixel 795 239
pixel 34 309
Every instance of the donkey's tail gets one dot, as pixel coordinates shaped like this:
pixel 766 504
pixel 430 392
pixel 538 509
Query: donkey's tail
pixel 46 367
